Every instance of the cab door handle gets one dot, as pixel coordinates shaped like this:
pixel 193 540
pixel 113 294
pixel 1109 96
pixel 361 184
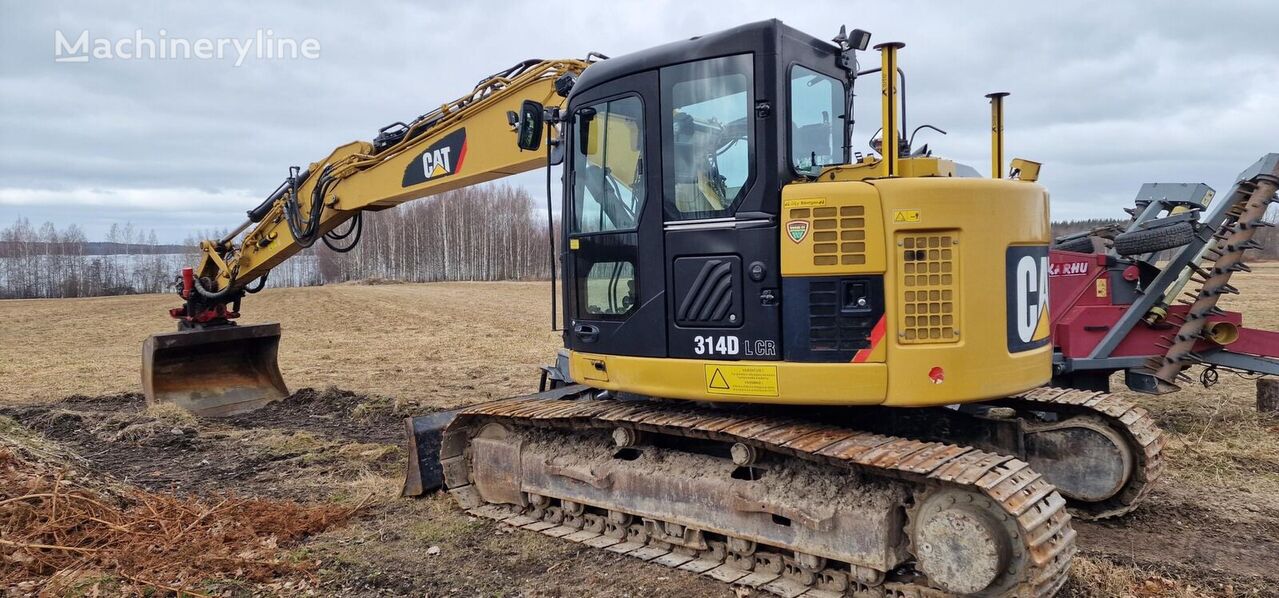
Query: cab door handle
pixel 586 333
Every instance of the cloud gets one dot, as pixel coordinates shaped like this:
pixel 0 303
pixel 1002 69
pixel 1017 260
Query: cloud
pixel 157 200
pixel 1108 95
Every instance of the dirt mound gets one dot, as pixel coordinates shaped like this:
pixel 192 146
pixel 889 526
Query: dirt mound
pixel 332 412
pixel 63 537
pixel 294 448
pixel 129 402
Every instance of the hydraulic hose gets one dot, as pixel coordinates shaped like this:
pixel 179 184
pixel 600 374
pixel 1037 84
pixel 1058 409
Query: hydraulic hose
pixel 224 294
pixel 357 229
pixel 304 233
pixel 261 285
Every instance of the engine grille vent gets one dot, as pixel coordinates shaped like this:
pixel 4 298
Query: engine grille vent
pixel 928 282
pixel 830 329
pixel 839 234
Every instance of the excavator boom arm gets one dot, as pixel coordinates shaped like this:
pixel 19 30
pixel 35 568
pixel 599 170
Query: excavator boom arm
pixel 211 367
pixel 465 142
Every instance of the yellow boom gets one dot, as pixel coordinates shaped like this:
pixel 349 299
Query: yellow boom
pixel 212 368
pixel 464 142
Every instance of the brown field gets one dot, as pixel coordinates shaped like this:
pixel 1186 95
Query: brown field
pixel 1211 528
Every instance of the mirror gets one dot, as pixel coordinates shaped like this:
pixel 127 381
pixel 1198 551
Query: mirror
pixel 530 126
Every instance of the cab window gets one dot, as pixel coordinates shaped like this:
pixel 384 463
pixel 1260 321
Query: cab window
pixel 608 166
pixel 608 289
pixel 708 133
pixel 817 118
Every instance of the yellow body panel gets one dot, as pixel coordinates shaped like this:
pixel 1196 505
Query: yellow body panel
pixel 795 383
pixel 843 230
pixel 871 167
pixel 967 359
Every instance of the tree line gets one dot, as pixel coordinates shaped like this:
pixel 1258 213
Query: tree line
pixel 488 232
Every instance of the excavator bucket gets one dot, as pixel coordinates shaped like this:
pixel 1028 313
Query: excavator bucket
pixel 214 371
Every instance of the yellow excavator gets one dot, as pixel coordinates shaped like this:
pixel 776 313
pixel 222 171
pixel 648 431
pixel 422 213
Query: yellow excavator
pixel 787 364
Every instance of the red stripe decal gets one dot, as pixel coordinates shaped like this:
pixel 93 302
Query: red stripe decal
pixel 461 155
pixel 876 335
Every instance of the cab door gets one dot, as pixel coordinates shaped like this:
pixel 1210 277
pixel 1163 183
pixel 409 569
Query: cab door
pixel 722 252
pixel 615 287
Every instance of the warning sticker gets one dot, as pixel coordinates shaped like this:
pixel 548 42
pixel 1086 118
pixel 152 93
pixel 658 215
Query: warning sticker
pixel 905 215
pixel 742 380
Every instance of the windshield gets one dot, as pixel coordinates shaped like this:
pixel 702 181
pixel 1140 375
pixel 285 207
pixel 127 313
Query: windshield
pixel 817 120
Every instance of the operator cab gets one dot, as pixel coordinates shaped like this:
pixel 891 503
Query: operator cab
pixel 675 161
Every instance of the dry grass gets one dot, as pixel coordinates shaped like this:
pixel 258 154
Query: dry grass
pixel 51 527
pixel 1101 579
pixel 449 344
pixel 1217 436
pixel 432 344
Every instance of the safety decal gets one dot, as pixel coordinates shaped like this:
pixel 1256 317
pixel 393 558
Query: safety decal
pixel 742 380
pixel 797 230
pixel 906 215
pixel 814 202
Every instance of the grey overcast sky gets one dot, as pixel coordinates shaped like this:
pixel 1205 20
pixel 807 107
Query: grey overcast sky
pixel 1107 94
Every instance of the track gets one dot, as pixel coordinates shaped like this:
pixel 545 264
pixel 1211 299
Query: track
pixel 937 518
pixel 1141 439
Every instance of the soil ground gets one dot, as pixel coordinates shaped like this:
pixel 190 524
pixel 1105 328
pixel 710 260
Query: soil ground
pixel 70 373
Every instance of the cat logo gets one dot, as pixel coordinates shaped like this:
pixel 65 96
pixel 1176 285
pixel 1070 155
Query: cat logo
pixel 1027 294
pixel 442 159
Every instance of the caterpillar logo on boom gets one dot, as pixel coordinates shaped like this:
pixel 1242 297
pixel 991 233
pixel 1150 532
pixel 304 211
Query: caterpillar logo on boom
pixel 441 159
pixel 1027 290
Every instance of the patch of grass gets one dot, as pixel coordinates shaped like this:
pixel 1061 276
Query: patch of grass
pixel 366 452
pixel 444 523
pixel 366 484
pixel 375 405
pixel 170 413
pixel 1215 435
pixel 1094 578
pixel 280 444
pixel 72 583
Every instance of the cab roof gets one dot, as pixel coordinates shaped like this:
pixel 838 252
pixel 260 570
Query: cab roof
pixel 761 37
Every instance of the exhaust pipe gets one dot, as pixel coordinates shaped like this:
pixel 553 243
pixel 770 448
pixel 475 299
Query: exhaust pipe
pixel 214 372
